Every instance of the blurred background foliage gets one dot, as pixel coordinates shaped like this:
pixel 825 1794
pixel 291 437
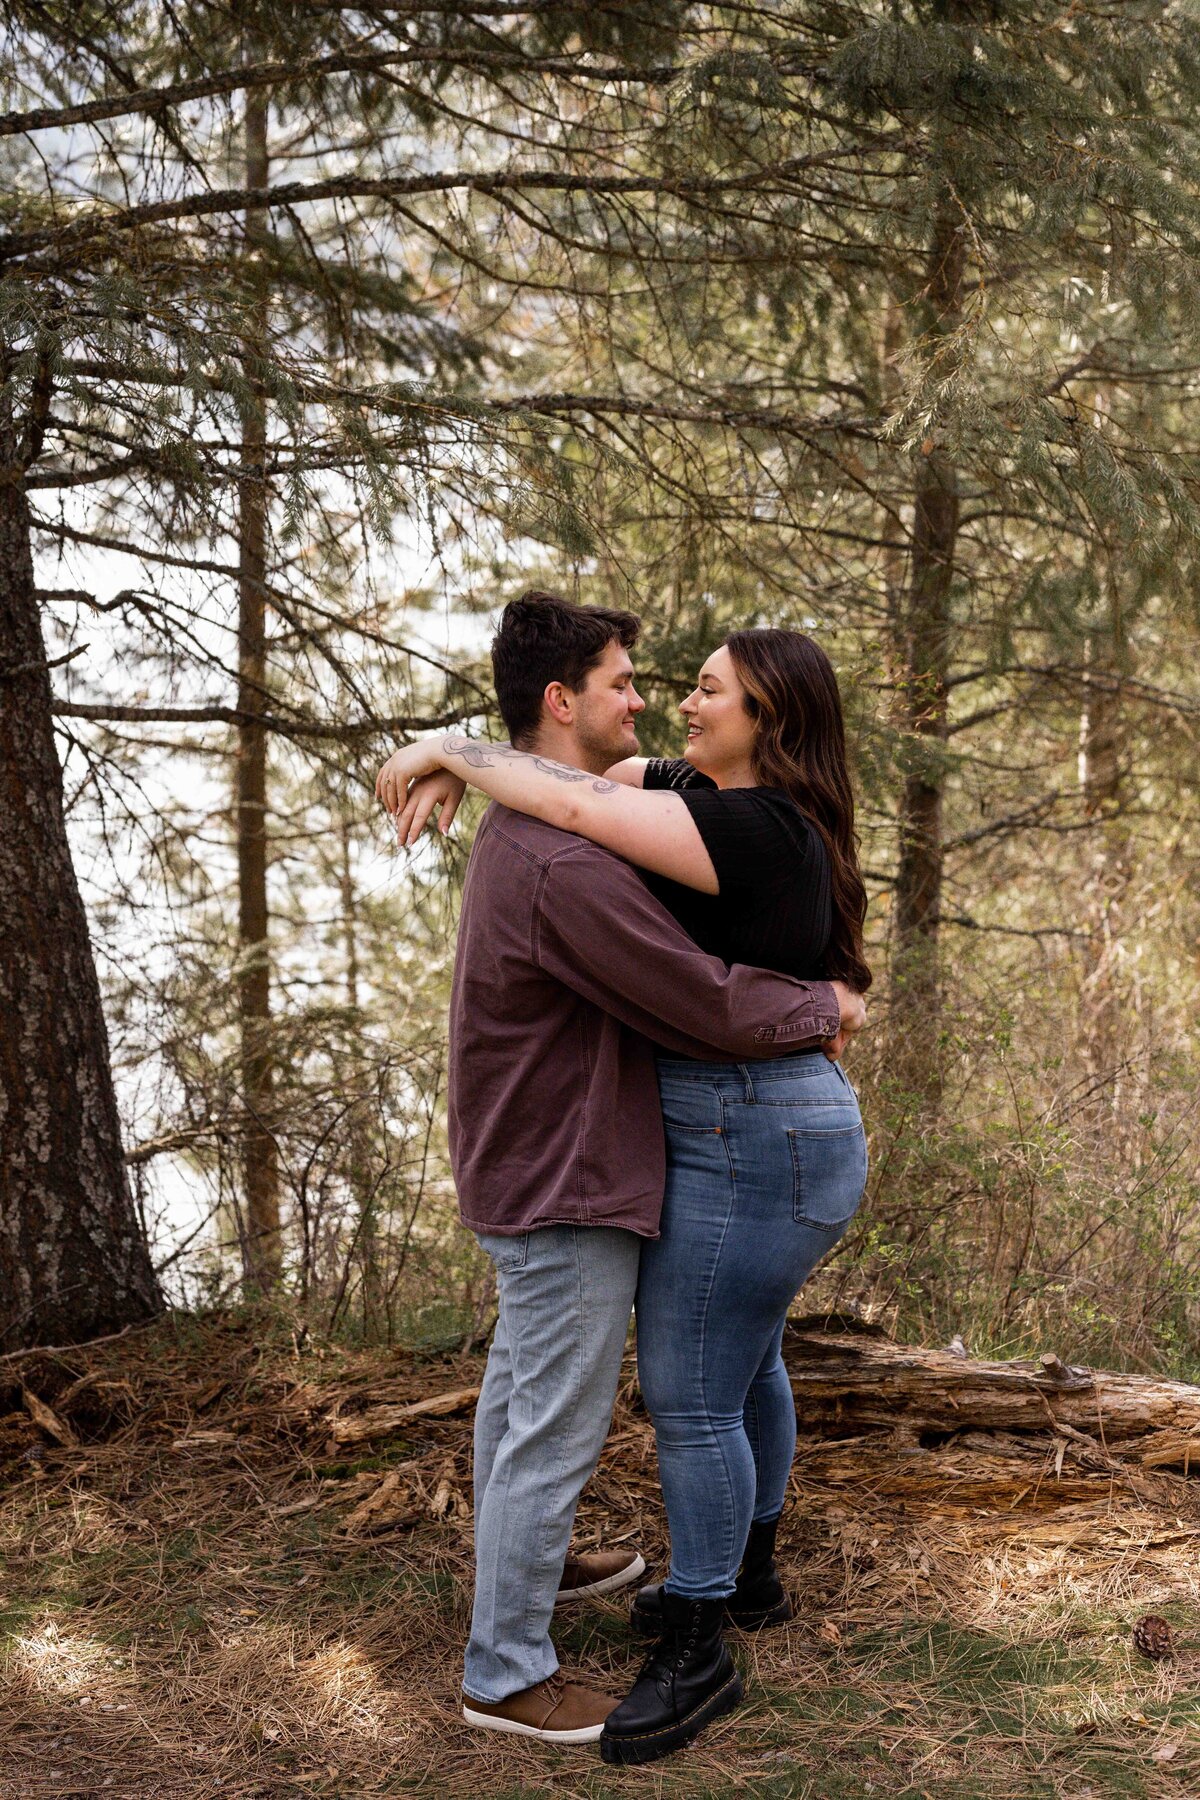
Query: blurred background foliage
pixel 876 320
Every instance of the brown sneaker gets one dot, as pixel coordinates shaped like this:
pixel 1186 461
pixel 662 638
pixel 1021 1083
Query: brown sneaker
pixel 556 1710
pixel 598 1573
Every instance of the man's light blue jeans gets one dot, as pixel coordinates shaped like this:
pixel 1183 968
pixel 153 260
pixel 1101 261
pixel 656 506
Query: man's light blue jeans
pixel 565 1297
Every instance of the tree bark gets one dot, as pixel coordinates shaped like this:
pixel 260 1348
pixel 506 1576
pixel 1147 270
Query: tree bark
pixel 73 1260
pixel 261 1247
pixel 925 660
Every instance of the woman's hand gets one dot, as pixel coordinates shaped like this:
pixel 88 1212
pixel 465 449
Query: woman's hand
pixel 442 790
pixel 404 767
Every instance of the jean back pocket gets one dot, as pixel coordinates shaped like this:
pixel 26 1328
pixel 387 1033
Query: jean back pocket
pixel 829 1169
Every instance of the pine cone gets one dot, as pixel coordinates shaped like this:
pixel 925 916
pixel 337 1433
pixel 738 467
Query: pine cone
pixel 1153 1637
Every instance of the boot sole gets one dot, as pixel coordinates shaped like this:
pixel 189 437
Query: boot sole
pixel 648 1746
pixel 583 1734
pixel 609 1585
pixel 649 1624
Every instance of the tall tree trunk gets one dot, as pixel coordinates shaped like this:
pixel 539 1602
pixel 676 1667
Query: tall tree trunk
pixel 1102 759
pixel 926 632
pixel 349 914
pixel 890 525
pixel 73 1259
pixel 363 1188
pixel 261 1247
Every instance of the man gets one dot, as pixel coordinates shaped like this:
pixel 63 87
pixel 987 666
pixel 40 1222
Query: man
pixel 567 973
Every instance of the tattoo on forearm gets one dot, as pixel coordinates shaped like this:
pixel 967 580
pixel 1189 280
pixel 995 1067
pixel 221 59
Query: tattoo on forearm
pixel 485 756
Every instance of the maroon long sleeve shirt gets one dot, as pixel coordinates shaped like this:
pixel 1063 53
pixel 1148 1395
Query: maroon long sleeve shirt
pixel 568 972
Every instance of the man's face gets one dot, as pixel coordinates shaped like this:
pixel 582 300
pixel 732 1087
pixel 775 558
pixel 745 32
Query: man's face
pixel 606 710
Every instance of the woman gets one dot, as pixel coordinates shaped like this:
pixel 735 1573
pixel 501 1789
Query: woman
pixel 749 840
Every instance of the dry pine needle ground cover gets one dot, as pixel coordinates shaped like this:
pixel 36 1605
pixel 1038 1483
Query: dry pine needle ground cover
pixel 204 1594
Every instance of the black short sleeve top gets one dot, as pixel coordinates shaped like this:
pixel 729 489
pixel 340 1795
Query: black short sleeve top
pixel 775 905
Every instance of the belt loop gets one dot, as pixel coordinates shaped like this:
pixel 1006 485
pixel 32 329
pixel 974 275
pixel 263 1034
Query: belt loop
pixel 748 1079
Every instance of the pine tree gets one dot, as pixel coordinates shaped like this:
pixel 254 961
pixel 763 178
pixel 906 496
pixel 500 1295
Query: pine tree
pixel 231 363
pixel 784 314
pixel 140 367
pixel 862 400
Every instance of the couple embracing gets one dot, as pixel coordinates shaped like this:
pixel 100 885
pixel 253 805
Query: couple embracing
pixel 658 965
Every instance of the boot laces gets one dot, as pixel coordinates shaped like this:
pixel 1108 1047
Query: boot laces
pixel 672 1650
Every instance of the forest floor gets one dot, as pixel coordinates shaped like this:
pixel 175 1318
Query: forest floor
pixel 202 1597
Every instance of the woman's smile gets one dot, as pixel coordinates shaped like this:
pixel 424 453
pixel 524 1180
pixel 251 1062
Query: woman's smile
pixel 723 746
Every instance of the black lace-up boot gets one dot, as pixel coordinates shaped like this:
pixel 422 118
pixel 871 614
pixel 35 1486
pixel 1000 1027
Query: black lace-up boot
pixel 687 1680
pixel 757 1600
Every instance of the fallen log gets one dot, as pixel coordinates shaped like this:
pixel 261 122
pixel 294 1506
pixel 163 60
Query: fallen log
pixel 382 1421
pixel 844 1381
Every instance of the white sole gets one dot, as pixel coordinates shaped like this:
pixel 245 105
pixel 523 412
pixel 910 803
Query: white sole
pixel 584 1734
pixel 622 1578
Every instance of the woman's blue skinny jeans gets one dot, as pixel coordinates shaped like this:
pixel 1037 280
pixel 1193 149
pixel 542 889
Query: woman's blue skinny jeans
pixel 766 1165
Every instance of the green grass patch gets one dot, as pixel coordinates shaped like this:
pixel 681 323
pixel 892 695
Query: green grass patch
pixel 440 1586
pixel 1006 1683
pixel 390 1452
pixel 1181 1709
pixel 16 1617
pixel 838 1706
pixel 366 1581
pixel 1118 1775
pixel 590 1632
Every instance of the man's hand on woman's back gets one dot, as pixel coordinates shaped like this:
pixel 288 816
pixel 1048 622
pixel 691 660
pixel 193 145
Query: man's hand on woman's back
pixel 852 1014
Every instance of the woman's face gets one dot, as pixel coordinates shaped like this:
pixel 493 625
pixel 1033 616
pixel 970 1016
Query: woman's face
pixel 720 738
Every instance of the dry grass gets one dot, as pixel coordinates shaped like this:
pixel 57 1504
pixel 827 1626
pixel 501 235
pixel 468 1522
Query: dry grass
pixel 197 1600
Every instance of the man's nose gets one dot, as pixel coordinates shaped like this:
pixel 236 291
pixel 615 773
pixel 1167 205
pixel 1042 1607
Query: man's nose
pixel 635 701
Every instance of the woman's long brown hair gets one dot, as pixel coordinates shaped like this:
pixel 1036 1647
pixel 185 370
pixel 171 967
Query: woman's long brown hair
pixel 800 746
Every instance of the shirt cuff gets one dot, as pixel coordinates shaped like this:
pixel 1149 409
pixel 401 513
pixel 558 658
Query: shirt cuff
pixel 824 1023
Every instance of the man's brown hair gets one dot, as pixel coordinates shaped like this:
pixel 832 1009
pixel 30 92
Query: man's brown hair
pixel 544 638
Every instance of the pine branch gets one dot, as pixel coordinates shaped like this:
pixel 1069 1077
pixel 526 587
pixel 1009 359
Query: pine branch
pixel 743 418
pixel 965 923
pixel 209 566
pixel 92 225
pixel 600 405
pixel 1034 814
pixel 102 713
pixel 341 62
pixel 1099 680
pixel 108 471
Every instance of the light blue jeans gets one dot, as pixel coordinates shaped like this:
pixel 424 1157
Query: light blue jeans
pixel 766 1165
pixel 566 1293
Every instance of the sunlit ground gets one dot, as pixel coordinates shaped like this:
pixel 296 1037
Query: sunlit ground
pixel 183 1611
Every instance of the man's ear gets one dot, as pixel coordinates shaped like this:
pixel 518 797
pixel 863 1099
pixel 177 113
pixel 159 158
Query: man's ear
pixel 560 703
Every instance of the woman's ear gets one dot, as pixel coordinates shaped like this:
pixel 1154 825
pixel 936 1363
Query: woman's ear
pixel 559 702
